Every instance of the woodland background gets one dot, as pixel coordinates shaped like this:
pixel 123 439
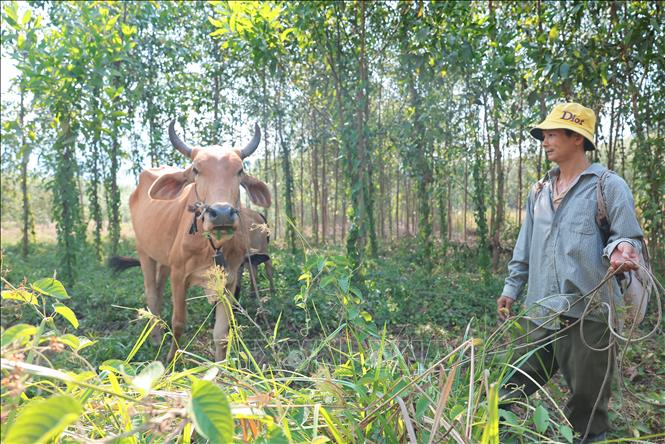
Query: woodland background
pixel 395 137
pixel 380 120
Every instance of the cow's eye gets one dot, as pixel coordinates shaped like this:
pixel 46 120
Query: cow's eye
pixel 195 171
pixel 240 172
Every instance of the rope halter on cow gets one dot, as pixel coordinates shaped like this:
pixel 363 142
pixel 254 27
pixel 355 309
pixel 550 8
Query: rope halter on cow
pixel 199 209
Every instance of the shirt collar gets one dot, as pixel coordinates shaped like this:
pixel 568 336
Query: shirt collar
pixel 594 168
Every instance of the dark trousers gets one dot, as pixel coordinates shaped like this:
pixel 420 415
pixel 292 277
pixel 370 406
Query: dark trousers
pixel 585 370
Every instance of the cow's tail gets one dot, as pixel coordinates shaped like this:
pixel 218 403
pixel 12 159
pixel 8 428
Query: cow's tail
pixel 121 263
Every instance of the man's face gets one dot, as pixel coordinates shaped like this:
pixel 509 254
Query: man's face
pixel 559 146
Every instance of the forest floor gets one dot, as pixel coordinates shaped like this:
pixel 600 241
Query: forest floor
pixel 428 310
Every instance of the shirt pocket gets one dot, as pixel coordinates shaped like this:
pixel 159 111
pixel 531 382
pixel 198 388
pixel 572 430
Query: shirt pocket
pixel 581 216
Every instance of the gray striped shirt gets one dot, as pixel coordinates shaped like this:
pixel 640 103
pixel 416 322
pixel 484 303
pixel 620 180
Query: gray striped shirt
pixel 561 254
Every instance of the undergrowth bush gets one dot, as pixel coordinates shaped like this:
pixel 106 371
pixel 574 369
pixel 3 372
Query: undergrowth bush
pixel 354 383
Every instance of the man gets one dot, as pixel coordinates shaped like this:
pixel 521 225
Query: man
pixel 562 254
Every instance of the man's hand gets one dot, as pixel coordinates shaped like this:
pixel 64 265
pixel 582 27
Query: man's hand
pixel 503 307
pixel 625 254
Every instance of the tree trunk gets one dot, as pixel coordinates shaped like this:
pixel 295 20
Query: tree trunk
pixel 382 198
pixel 324 188
pixel 288 180
pixel 313 173
pixel 450 211
pixel 67 212
pixel 466 197
pixel 500 198
pixel 422 171
pixel 405 208
pixel 397 182
pixel 275 190
pixel 358 162
pixel 519 165
pixel 492 170
pixel 610 146
pixel 302 186
pixel 25 159
pixel 95 178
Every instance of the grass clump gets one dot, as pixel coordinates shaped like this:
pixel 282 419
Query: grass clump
pixel 319 361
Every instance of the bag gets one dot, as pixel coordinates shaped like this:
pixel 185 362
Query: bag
pixel 636 285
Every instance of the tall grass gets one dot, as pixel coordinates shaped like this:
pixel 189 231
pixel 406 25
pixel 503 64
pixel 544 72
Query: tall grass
pixel 355 383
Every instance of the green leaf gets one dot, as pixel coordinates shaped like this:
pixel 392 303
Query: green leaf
pixel 71 341
pixel 26 17
pixel 18 332
pixel 127 30
pixel 43 420
pixel 218 32
pixel 66 313
pixel 509 416
pixel 118 366
pixel 327 280
pixel 20 295
pixel 50 287
pixel 563 70
pixel 84 343
pixel 343 283
pixel 566 432
pixel 111 22
pixel 147 377
pixel 491 429
pixel 216 23
pixel 541 419
pixel 276 437
pixel 12 11
pixel 210 412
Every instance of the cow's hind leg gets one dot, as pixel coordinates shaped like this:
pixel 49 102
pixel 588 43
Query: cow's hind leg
pixel 268 265
pixel 236 292
pixel 153 297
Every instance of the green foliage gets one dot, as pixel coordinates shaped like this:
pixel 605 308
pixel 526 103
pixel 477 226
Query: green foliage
pixel 541 419
pixel 432 97
pixel 386 88
pixel 41 420
pixel 325 370
pixel 210 412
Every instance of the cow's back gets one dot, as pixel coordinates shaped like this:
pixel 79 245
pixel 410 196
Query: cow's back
pixel 156 222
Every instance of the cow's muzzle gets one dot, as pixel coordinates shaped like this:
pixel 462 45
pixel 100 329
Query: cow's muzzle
pixel 221 215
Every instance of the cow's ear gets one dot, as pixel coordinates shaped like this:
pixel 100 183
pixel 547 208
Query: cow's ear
pixel 168 186
pixel 257 190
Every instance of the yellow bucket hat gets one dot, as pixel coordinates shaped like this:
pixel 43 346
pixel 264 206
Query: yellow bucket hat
pixel 572 116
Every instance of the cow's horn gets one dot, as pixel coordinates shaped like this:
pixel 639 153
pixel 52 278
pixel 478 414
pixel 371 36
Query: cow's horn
pixel 253 144
pixel 177 141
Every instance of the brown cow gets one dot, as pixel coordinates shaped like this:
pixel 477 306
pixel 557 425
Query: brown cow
pixel 186 220
pixel 259 238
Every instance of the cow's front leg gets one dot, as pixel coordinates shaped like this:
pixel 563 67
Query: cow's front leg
pixel 220 333
pixel 179 318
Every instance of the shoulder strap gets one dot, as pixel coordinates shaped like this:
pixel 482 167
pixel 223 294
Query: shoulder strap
pixel 602 218
pixel 538 186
